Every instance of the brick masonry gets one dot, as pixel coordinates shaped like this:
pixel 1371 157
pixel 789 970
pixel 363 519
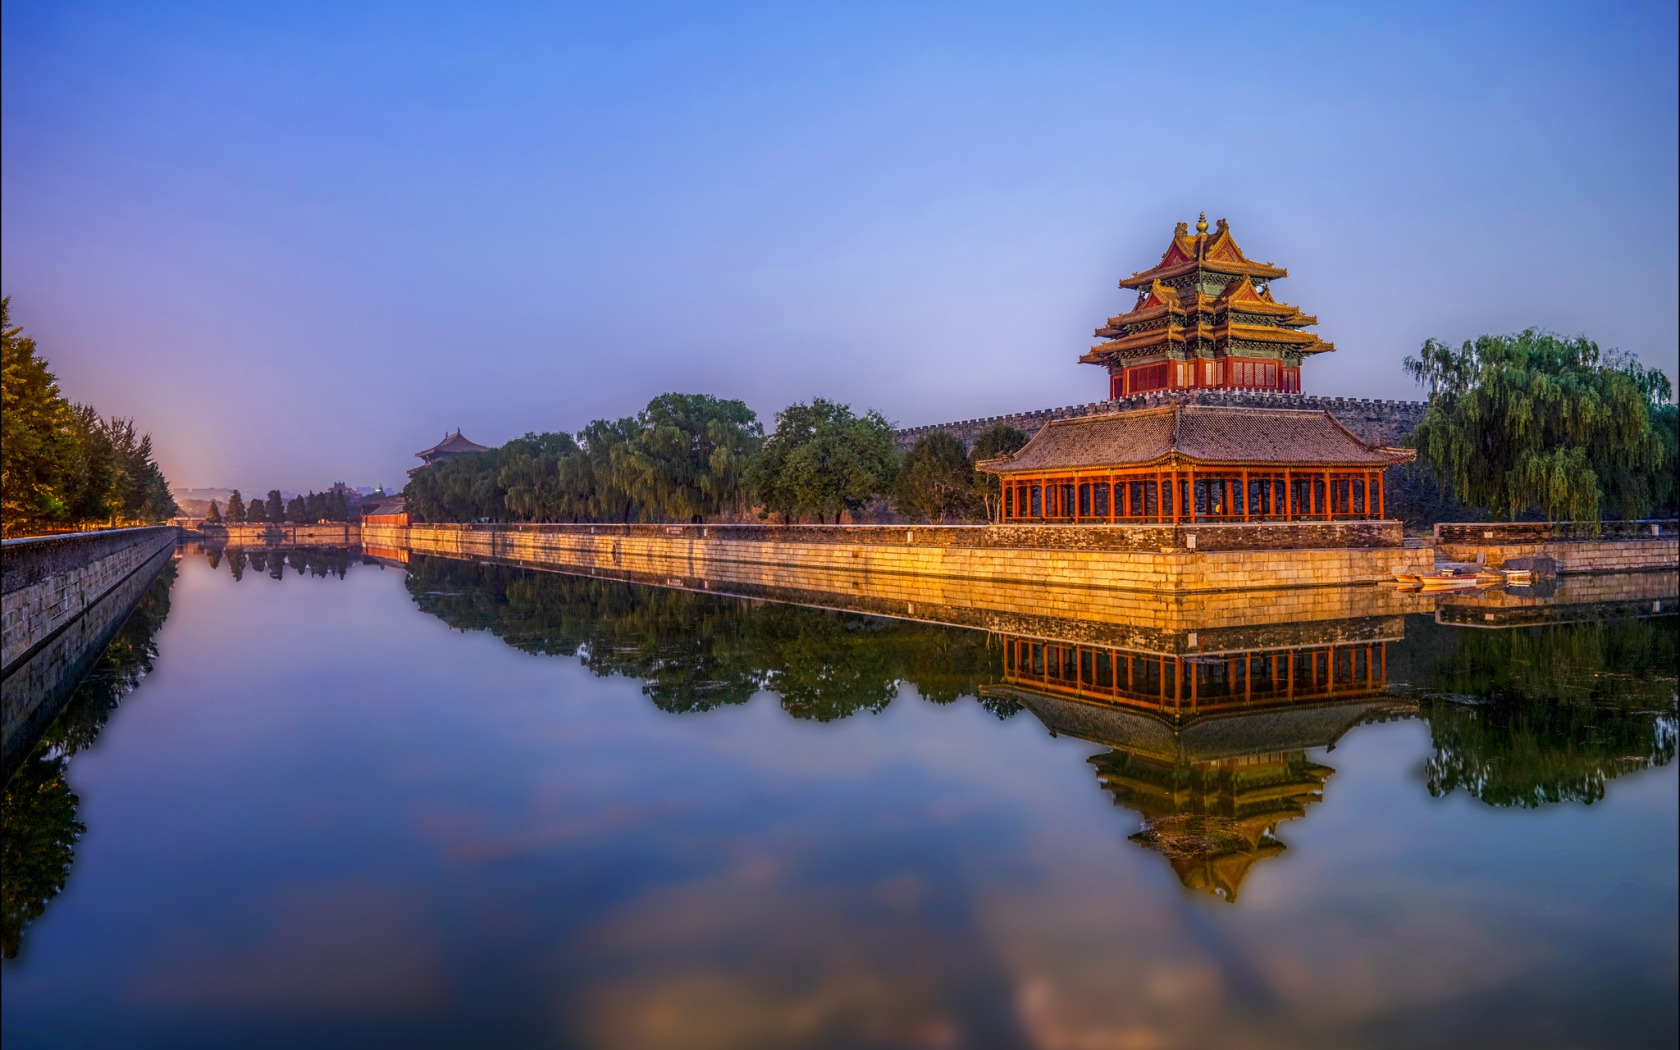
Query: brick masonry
pixel 48 581
pixel 275 535
pixel 995 557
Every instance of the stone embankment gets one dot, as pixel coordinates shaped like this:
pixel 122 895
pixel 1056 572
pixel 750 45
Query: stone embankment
pixel 276 535
pixel 1156 559
pixel 1577 547
pixel 63 599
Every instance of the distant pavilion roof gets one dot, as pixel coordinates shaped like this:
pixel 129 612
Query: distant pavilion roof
pixel 1196 434
pixel 452 444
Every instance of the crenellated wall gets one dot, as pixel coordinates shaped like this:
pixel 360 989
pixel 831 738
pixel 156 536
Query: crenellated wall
pixel 1378 422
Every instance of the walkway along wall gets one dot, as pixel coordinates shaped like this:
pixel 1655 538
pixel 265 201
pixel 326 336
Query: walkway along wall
pixel 1153 559
pixel 64 597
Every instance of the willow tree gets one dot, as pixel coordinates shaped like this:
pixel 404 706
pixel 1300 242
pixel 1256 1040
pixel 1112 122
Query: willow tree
pixel 687 456
pixel 1537 421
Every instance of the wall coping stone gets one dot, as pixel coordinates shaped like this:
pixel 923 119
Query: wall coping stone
pixel 27 560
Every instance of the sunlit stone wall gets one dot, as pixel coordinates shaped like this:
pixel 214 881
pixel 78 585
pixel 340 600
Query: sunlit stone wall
pixel 990 558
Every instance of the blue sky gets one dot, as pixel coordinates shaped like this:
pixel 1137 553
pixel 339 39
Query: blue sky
pixel 298 241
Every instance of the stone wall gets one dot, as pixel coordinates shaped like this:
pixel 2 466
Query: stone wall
pixel 996 558
pixel 1573 556
pixel 1379 422
pixel 37 686
pixel 1553 531
pixel 1257 536
pixel 48 581
pixel 273 535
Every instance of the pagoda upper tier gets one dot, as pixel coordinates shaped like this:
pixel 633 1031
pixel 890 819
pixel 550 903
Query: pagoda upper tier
pixel 1205 317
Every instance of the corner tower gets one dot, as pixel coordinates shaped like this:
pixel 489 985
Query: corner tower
pixel 1205 318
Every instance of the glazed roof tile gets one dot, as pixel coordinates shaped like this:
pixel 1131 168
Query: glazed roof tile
pixel 453 443
pixel 1196 434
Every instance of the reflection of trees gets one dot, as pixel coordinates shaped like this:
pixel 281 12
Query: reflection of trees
pixel 305 561
pixel 1550 714
pixel 696 651
pixel 38 825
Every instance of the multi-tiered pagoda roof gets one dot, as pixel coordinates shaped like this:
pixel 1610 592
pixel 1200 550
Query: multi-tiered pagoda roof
pixel 1205 317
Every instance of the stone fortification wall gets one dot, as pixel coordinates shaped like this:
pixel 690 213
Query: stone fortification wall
pixel 64 599
pixel 1478 532
pixel 48 581
pixel 1577 547
pixel 271 535
pixel 997 558
pixel 1379 422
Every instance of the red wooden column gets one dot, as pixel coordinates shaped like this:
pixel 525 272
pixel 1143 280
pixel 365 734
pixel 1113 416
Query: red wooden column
pixel 1328 513
pixel 1288 495
pixel 1190 503
pixel 1247 499
pixel 1382 511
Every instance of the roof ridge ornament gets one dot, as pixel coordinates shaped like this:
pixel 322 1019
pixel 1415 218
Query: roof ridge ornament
pixel 1201 223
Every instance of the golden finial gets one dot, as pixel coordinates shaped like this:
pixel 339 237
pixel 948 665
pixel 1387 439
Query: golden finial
pixel 1201 223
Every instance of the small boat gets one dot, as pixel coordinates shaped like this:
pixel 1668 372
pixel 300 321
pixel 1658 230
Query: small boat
pixel 1450 583
pixel 1520 578
pixel 1409 578
pixel 1450 576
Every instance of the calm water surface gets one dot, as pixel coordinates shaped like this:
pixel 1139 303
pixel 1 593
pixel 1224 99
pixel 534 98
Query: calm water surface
pixel 465 805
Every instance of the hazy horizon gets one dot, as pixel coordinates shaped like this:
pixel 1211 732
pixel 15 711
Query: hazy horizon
pixel 299 244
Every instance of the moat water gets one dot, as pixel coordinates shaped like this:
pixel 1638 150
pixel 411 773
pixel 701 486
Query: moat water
pixel 338 802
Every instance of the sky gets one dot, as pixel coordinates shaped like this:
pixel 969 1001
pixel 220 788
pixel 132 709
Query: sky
pixel 297 242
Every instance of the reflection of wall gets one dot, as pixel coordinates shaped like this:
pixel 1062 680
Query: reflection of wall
pixel 936 574
pixel 37 686
pixel 51 580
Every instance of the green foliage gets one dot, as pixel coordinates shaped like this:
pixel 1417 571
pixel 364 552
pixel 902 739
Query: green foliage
pixel 460 488
pixel 38 835
pixel 605 497
pixel 256 512
pixel 1536 421
pixel 936 480
pixel 687 456
pixel 994 441
pixel 62 464
pixel 694 652
pixel 823 460
pixel 274 507
pixel 296 510
pixel 39 828
pixel 1550 714
pixel 236 508
pixel 214 514
pixel 35 441
pixel 538 486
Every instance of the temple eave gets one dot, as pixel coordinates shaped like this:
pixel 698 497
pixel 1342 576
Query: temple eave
pixel 1233 269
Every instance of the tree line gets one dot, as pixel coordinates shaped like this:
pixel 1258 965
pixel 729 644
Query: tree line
pixel 331 505
pixel 694 457
pixel 63 465
pixel 1535 424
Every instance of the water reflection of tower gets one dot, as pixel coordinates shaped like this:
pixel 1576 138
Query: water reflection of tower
pixel 1209 748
